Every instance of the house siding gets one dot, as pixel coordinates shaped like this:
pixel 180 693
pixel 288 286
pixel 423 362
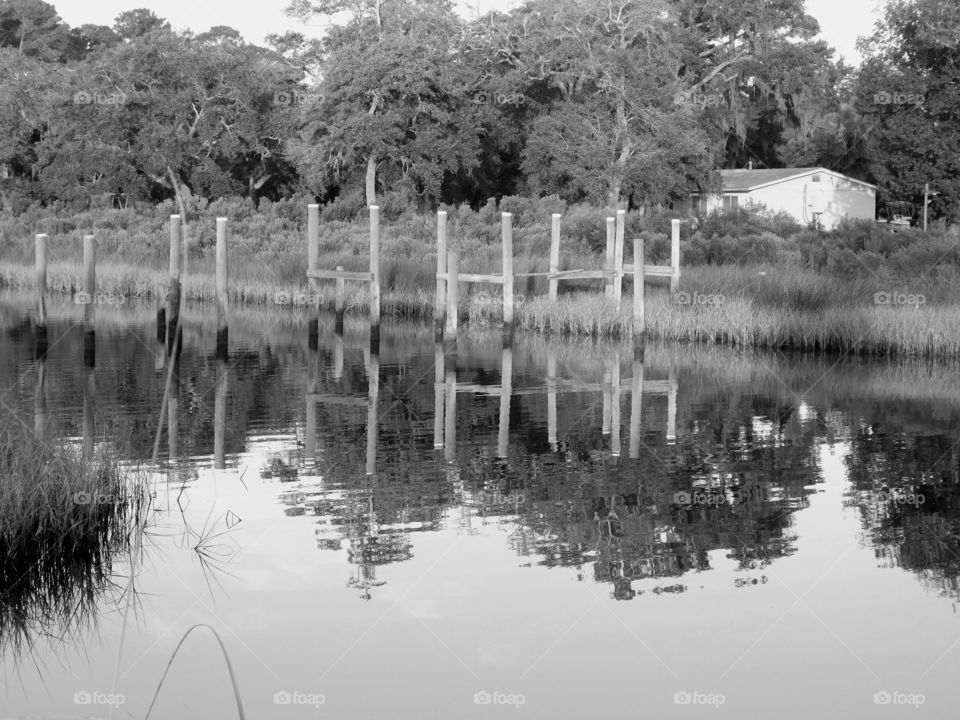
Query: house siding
pixel 839 198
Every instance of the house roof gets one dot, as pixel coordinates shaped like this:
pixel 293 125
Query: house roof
pixel 747 180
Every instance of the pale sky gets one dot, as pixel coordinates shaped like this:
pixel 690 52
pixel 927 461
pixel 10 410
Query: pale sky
pixel 841 21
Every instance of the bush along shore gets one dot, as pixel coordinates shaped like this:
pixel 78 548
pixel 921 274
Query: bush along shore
pixel 748 277
pixel 63 520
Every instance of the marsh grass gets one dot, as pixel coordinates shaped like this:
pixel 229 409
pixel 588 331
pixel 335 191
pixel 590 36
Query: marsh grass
pixel 62 521
pixel 781 302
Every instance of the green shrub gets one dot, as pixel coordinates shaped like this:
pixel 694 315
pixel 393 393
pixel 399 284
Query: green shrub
pixel 488 213
pixel 656 247
pixel 586 224
pixel 394 204
pixel 814 248
pixel 523 208
pixel 345 207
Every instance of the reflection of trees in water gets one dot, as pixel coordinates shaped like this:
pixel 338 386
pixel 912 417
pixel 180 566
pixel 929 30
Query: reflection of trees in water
pixel 732 482
pixel 739 426
pixel 908 492
pixel 577 507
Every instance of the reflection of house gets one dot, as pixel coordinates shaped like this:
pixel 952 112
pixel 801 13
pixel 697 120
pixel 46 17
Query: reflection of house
pixel 805 193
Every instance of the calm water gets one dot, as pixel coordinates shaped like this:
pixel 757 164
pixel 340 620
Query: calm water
pixel 748 535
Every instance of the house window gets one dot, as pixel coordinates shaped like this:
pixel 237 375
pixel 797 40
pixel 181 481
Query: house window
pixel 816 177
pixel 698 203
pixel 730 202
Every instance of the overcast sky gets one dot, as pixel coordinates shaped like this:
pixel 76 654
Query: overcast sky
pixel 841 21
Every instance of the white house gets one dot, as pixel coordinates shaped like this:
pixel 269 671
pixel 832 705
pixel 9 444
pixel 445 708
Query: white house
pixel 804 193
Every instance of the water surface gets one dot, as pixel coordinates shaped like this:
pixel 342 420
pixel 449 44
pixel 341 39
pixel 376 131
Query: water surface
pixel 752 533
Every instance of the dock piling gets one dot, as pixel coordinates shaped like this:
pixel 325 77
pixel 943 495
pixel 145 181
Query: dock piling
pixel 554 255
pixel 439 308
pixel 173 291
pixel 313 255
pixel 675 256
pixel 609 257
pixel 453 299
pixel 618 256
pixel 639 288
pixel 374 279
pixel 221 285
pixel 507 231
pixel 89 291
pixel 339 303
pixel 41 281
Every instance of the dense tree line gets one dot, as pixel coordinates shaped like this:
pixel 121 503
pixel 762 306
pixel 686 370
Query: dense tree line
pixel 608 101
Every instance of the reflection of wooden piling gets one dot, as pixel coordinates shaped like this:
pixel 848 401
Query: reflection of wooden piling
pixel 450 416
pixel 161 316
pixel 373 377
pixel 552 401
pixel 453 296
pixel 672 405
pixel 507 252
pixel 438 395
pixel 313 260
pixel 338 356
pixel 89 349
pixel 40 343
pixel 439 308
pixel 89 291
pixel 609 258
pixel 41 280
pixel 554 255
pixel 615 406
pixel 173 413
pixel 618 257
pixel 374 279
pixel 639 285
pixel 310 441
pixel 161 320
pixel 173 291
pixel 636 407
pixel 89 393
pixel 339 303
pixel 607 401
pixel 221 284
pixel 506 383
pixel 220 415
pixel 40 402
pixel 160 357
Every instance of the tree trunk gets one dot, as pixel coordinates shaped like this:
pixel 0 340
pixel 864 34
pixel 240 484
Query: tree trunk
pixel 371 180
pixel 372 158
pixel 613 199
pixel 623 133
pixel 254 185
